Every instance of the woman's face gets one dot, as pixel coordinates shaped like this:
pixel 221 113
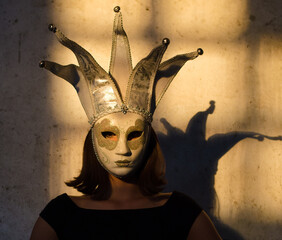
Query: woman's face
pixel 120 141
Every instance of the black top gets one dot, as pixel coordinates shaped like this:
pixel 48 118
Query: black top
pixel 172 220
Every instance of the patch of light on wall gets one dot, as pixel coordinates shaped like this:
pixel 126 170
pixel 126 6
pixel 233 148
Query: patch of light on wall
pixel 217 21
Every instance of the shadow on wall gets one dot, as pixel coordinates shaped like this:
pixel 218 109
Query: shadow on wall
pixel 25 116
pixel 192 161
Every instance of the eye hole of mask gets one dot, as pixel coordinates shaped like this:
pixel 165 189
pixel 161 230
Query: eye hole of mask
pixel 134 135
pixel 109 135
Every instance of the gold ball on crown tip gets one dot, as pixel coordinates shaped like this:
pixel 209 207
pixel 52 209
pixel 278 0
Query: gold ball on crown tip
pixel 52 28
pixel 200 51
pixel 166 41
pixel 117 9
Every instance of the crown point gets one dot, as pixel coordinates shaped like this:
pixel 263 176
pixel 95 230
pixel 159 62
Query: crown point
pixel 117 9
pixel 42 64
pixel 166 41
pixel 200 51
pixel 52 28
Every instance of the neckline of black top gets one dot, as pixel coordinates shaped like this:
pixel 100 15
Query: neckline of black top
pixel 120 210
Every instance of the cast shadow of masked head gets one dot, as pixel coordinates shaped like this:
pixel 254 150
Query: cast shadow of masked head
pixel 192 159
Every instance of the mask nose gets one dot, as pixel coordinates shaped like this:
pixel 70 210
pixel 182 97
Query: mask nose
pixel 122 148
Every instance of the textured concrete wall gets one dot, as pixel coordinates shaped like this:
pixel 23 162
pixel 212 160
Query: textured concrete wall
pixel 212 151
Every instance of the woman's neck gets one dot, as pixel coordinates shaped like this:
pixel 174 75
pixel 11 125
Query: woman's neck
pixel 124 191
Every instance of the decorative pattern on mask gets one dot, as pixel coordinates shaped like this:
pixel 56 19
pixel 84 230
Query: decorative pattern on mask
pixel 140 141
pixel 105 126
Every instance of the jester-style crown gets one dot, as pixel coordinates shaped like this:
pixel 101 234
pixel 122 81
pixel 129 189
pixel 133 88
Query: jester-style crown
pixel 123 89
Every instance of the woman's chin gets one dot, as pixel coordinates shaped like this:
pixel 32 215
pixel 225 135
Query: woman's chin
pixel 121 172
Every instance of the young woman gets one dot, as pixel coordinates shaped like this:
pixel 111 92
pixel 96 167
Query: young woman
pixel 123 169
pixel 122 196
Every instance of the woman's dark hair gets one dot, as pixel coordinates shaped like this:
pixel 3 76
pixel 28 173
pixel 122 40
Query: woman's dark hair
pixel 94 180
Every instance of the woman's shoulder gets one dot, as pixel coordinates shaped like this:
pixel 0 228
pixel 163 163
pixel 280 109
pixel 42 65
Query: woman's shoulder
pixel 181 205
pixel 57 211
pixel 57 205
pixel 161 198
pixel 183 199
pixel 58 202
pixel 65 200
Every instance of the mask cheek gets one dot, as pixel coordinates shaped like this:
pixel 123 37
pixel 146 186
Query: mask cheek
pixel 103 157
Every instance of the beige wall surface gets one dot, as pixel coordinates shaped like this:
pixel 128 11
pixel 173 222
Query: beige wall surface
pixel 218 124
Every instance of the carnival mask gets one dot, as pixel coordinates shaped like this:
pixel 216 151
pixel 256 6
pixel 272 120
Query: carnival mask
pixel 120 142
